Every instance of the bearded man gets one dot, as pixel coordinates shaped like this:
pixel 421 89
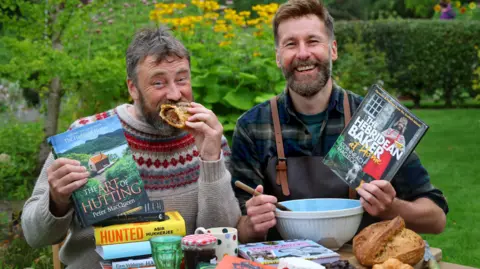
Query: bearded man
pixel 186 168
pixel 278 146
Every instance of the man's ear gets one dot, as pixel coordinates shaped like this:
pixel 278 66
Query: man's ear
pixel 132 89
pixel 334 50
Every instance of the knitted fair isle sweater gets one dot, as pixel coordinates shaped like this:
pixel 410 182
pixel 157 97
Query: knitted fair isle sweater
pixel 171 170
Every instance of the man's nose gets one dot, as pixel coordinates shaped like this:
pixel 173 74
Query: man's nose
pixel 174 93
pixel 303 53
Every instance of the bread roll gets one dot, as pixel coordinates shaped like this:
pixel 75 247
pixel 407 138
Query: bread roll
pixel 388 239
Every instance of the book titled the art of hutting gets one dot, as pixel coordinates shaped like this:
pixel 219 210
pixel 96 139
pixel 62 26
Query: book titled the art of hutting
pixel 114 185
pixel 377 141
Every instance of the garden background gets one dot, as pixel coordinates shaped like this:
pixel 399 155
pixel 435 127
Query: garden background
pixel 61 60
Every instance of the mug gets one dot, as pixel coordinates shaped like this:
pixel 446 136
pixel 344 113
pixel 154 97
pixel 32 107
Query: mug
pixel 227 240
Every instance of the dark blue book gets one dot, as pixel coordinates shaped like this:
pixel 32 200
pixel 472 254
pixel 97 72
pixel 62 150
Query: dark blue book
pixel 114 185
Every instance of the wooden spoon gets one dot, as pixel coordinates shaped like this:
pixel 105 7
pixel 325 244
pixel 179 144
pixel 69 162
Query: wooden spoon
pixel 248 189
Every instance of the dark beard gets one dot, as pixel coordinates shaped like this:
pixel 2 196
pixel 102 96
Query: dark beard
pixel 304 88
pixel 153 119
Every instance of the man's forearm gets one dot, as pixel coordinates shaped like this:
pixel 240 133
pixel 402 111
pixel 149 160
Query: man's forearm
pixel 246 234
pixel 421 215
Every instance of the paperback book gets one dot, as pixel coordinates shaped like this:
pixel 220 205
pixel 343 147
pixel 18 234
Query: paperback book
pixel 114 185
pixel 271 252
pixel 376 142
pixel 140 231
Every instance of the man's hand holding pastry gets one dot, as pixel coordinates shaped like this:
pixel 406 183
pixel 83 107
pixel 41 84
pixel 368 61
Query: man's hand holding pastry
pixel 204 125
pixel 201 122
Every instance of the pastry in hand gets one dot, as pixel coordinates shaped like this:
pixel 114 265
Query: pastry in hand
pixel 388 239
pixel 175 114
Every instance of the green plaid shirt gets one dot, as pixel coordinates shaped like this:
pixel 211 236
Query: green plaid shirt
pixel 253 145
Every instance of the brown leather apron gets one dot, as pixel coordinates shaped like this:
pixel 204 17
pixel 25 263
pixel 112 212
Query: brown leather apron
pixel 306 176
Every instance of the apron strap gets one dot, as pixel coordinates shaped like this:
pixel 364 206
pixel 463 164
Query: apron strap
pixel 352 194
pixel 281 167
pixel 282 161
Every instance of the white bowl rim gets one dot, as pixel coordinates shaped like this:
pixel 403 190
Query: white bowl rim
pixel 319 214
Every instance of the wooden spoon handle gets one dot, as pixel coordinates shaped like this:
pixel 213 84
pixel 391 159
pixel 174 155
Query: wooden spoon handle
pixel 248 189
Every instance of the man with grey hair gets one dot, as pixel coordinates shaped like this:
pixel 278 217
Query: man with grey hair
pixel 184 168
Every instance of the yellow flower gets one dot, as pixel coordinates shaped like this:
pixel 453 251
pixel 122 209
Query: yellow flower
pixel 458 4
pixel 253 22
pixel 225 43
pixel 229 35
pixel 472 5
pixel 153 16
pixel 244 13
pixel 437 8
pixel 256 54
pixel 258 34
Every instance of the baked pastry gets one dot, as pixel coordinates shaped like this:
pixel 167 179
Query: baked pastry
pixel 392 263
pixel 175 115
pixel 388 239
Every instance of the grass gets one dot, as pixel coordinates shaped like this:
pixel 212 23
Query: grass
pixel 450 152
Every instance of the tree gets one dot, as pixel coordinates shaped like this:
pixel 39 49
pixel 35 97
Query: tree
pixel 71 53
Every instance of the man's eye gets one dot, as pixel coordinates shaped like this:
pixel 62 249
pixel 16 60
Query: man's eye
pixel 158 84
pixel 289 44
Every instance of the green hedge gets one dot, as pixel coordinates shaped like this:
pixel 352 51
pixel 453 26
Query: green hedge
pixel 424 57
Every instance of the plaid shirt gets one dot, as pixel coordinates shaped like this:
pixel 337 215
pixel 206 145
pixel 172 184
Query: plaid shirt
pixel 253 146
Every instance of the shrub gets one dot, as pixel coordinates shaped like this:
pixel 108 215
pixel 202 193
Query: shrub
pixel 19 144
pixel 423 56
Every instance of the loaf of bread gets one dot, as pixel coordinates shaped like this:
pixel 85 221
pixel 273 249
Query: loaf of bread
pixel 388 239
pixel 392 263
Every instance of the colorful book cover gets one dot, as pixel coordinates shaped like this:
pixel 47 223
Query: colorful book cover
pixel 140 231
pixel 272 251
pixel 376 142
pixel 231 262
pixel 114 185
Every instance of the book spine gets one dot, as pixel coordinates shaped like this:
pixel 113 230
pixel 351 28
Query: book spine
pixel 123 219
pixel 133 263
pixel 135 232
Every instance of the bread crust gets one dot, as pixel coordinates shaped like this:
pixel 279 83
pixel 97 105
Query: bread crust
pixel 392 263
pixel 175 115
pixel 388 239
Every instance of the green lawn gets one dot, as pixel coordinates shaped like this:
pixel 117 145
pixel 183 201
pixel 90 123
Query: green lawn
pixel 450 152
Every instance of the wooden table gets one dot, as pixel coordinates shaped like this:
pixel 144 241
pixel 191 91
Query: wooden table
pixel 347 254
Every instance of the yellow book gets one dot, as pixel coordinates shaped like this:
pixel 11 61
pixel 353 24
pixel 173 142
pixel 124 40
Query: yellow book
pixel 140 231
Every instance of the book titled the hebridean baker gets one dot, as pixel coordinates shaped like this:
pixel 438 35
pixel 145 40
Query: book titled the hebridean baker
pixel 376 142
pixel 114 185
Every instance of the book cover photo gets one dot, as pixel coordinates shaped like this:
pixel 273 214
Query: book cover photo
pixel 114 185
pixel 271 252
pixel 376 142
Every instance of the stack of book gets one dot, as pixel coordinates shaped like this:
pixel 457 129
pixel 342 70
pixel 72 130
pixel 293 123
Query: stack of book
pixel 114 200
pixel 123 241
